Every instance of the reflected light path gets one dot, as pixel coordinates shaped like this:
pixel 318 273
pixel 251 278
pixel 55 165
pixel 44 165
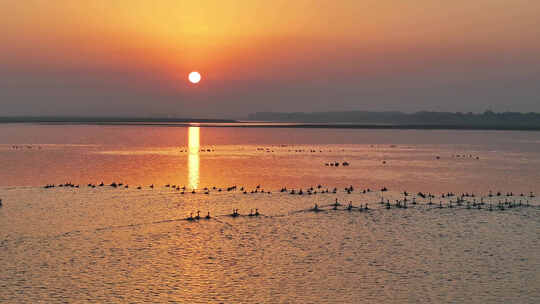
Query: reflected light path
pixel 193 157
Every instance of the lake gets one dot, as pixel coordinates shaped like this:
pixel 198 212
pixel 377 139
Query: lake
pixel 83 242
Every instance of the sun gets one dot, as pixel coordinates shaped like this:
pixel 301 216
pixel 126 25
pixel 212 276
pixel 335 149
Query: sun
pixel 194 77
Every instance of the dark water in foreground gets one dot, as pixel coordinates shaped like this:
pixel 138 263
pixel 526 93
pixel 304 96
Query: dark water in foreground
pixel 108 244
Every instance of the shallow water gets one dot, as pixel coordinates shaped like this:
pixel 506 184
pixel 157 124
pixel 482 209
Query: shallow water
pixel 109 244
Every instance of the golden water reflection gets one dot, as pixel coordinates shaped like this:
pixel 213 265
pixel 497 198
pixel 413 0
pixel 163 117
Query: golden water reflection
pixel 193 157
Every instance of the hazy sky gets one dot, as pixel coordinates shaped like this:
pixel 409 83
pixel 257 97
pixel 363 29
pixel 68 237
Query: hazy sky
pixel 132 57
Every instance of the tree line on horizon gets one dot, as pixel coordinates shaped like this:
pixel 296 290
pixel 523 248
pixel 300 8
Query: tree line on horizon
pixel 394 117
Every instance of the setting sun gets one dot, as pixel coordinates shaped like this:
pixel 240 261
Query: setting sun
pixel 194 77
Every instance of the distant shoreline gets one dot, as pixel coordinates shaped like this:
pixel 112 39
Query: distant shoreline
pixel 487 120
pixel 268 124
pixel 107 120
pixel 423 120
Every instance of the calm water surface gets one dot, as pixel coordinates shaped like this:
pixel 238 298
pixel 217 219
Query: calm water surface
pixel 108 244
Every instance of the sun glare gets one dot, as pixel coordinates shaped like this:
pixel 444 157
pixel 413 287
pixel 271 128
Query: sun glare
pixel 193 157
pixel 194 77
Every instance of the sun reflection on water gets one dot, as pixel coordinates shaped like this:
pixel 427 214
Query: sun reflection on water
pixel 193 157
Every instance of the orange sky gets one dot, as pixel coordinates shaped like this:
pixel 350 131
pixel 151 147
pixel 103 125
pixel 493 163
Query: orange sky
pixel 235 43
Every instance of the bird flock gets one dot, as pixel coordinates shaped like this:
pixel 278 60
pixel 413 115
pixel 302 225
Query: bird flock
pixel 491 201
